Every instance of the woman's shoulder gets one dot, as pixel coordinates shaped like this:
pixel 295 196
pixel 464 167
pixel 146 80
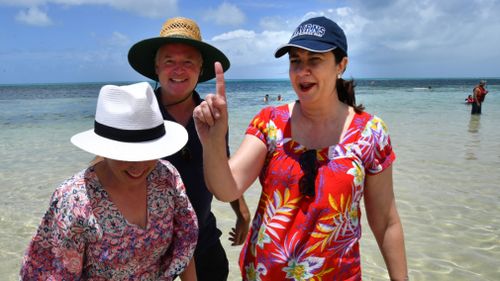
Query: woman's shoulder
pixel 366 117
pixel 270 116
pixel 274 112
pixel 165 167
pixel 75 189
pixel 71 202
pixel 365 124
pixel 165 172
pixel 274 109
pixel 360 119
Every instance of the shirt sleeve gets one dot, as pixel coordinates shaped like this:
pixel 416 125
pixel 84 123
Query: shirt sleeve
pixel 56 250
pixel 259 124
pixel 379 154
pixel 185 231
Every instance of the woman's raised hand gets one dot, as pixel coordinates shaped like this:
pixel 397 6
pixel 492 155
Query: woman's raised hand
pixel 210 117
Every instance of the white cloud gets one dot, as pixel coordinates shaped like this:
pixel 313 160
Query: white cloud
pixel 22 3
pixel 225 14
pixel 146 8
pixel 248 47
pixel 118 39
pixel 33 16
pixel 408 33
pixel 386 38
pixel 271 23
pixel 236 34
pixel 252 53
pixel 424 38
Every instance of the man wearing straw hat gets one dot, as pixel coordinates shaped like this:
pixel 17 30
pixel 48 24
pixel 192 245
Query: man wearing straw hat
pixel 178 59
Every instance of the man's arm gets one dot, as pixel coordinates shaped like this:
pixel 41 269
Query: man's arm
pixel 475 96
pixel 189 274
pixel 239 233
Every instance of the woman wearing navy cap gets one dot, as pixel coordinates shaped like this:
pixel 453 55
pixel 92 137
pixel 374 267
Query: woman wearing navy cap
pixel 316 158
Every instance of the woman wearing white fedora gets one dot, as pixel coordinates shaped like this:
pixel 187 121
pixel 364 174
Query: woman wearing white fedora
pixel 127 216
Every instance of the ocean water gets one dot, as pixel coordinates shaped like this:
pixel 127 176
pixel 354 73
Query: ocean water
pixel 446 176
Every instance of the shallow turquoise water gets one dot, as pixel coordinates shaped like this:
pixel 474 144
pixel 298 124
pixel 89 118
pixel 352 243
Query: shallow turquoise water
pixel 446 175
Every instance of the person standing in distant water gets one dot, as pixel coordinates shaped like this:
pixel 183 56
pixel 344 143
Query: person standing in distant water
pixel 178 59
pixel 279 98
pixel 478 94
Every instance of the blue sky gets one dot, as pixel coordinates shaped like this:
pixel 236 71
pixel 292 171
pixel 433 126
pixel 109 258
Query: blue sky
pixel 53 41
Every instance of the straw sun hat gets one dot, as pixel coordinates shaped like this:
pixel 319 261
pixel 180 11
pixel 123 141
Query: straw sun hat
pixel 129 126
pixel 141 55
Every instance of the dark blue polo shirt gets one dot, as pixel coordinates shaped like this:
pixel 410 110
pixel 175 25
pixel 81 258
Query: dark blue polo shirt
pixel 189 163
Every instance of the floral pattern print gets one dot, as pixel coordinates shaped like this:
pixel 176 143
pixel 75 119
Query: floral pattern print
pixel 301 238
pixel 84 236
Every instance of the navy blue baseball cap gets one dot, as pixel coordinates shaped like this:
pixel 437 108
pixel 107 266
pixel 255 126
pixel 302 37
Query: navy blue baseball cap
pixel 318 35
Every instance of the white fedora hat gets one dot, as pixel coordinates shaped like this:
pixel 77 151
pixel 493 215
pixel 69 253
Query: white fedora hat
pixel 129 126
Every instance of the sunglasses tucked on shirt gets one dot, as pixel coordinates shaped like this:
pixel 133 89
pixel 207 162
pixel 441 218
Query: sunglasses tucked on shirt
pixel 309 165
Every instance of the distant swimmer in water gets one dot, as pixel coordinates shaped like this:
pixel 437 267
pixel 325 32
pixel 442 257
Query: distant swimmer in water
pixel 266 98
pixel 279 98
pixel 469 99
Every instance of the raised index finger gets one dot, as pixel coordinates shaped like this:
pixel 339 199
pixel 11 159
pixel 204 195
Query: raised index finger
pixel 220 85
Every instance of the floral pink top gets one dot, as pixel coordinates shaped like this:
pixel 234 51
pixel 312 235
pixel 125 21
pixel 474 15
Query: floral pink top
pixel 84 236
pixel 294 237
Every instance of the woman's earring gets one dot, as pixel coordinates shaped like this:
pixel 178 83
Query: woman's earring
pixel 339 76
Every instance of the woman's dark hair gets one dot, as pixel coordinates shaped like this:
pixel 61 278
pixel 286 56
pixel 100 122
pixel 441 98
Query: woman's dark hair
pixel 345 88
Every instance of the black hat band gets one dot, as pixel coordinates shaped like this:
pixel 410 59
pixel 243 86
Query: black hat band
pixel 129 135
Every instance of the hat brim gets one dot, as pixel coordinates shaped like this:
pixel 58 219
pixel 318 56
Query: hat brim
pixel 174 139
pixel 141 56
pixel 312 46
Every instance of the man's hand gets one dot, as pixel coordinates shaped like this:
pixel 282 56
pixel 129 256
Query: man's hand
pixel 239 233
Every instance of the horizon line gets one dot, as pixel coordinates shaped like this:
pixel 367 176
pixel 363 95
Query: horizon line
pixel 249 79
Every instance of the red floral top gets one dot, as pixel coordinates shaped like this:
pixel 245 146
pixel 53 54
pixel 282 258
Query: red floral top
pixel 294 237
pixel 84 236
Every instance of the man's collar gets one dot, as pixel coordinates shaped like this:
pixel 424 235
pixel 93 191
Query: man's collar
pixel 196 97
